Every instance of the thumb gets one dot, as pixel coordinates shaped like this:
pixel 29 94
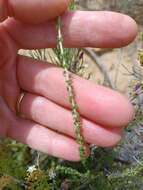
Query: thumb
pixel 32 11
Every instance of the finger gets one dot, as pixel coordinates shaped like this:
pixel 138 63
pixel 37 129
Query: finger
pixel 41 10
pixel 80 29
pixel 96 103
pixel 43 111
pixel 44 140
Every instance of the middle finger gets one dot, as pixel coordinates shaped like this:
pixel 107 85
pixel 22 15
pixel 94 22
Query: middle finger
pixel 96 103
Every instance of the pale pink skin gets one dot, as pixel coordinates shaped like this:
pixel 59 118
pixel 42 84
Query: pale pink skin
pixel 48 125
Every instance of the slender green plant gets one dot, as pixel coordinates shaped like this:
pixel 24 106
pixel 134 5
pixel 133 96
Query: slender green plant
pixel 65 56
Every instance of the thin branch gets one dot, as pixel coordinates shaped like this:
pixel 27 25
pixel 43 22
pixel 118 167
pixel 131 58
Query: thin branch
pixel 102 68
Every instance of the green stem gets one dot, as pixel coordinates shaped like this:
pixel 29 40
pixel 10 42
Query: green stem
pixel 68 79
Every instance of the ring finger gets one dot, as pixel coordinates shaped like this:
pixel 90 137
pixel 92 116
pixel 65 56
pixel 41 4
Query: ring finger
pixel 57 118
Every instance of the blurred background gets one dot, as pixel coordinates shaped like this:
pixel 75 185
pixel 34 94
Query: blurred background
pixel 119 63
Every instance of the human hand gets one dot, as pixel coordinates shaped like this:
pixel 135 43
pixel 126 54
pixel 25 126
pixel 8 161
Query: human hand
pixel 47 124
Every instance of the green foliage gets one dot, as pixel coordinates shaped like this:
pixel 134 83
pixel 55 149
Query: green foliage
pixel 38 180
pixel 65 57
pixel 104 171
pixel 13 158
pixel 72 5
pixel 141 56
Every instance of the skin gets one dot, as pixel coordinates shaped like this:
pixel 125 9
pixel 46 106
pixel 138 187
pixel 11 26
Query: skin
pixel 45 123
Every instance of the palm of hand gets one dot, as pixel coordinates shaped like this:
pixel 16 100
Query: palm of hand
pixel 9 88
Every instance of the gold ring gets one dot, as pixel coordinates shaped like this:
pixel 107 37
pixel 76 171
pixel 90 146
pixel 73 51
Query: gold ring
pixel 20 98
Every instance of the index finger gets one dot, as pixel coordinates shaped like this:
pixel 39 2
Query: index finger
pixel 32 11
pixel 100 29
